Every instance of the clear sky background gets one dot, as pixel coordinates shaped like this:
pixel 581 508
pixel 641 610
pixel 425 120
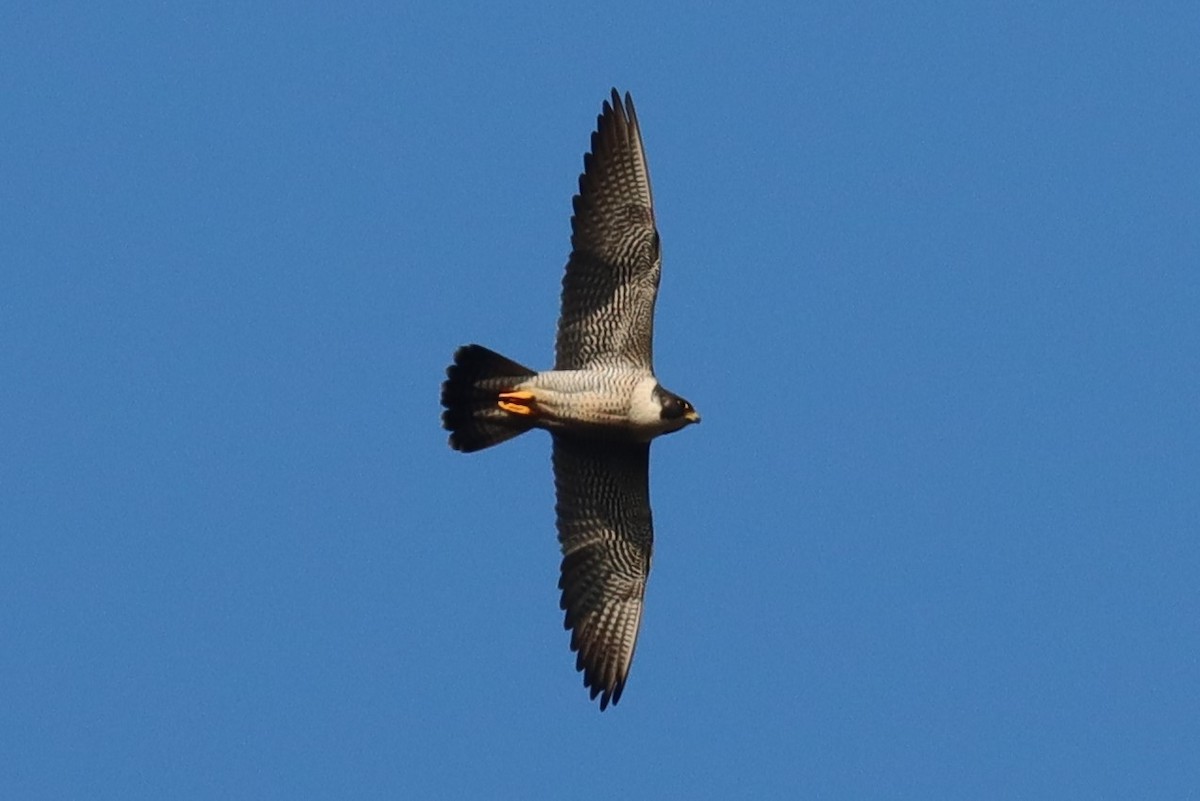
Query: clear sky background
pixel 931 275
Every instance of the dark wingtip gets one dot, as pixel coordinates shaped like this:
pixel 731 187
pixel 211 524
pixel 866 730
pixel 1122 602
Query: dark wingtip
pixel 592 682
pixel 614 102
pixel 609 696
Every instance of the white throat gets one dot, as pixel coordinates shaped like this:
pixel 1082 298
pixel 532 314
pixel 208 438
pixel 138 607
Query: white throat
pixel 645 410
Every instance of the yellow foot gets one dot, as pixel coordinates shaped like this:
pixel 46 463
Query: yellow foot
pixel 518 402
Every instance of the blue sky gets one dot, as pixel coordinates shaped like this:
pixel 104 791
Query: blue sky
pixel 931 276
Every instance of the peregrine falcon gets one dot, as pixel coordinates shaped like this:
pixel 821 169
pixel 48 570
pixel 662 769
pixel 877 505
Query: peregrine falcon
pixel 601 403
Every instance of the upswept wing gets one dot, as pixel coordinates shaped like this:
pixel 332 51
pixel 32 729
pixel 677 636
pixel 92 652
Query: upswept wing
pixel 605 530
pixel 612 276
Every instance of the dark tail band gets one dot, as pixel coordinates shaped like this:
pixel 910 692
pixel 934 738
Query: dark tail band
pixel 470 394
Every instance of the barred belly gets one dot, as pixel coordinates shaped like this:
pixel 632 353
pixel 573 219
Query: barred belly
pixel 586 399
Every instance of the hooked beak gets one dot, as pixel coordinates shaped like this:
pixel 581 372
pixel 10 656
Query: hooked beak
pixel 692 417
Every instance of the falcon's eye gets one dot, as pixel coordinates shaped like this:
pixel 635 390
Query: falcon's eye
pixel 673 408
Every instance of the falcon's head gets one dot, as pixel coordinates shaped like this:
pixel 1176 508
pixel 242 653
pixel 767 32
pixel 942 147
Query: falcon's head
pixel 674 411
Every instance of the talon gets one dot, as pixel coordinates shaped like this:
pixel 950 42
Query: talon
pixel 518 402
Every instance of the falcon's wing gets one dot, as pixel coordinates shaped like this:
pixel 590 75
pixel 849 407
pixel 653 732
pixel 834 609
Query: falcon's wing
pixel 605 530
pixel 612 276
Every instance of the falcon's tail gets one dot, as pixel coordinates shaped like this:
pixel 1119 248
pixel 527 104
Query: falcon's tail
pixel 470 394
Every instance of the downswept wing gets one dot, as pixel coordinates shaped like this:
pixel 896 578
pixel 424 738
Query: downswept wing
pixel 612 275
pixel 605 529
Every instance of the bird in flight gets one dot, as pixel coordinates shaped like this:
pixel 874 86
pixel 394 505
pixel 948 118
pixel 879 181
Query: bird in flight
pixel 601 403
